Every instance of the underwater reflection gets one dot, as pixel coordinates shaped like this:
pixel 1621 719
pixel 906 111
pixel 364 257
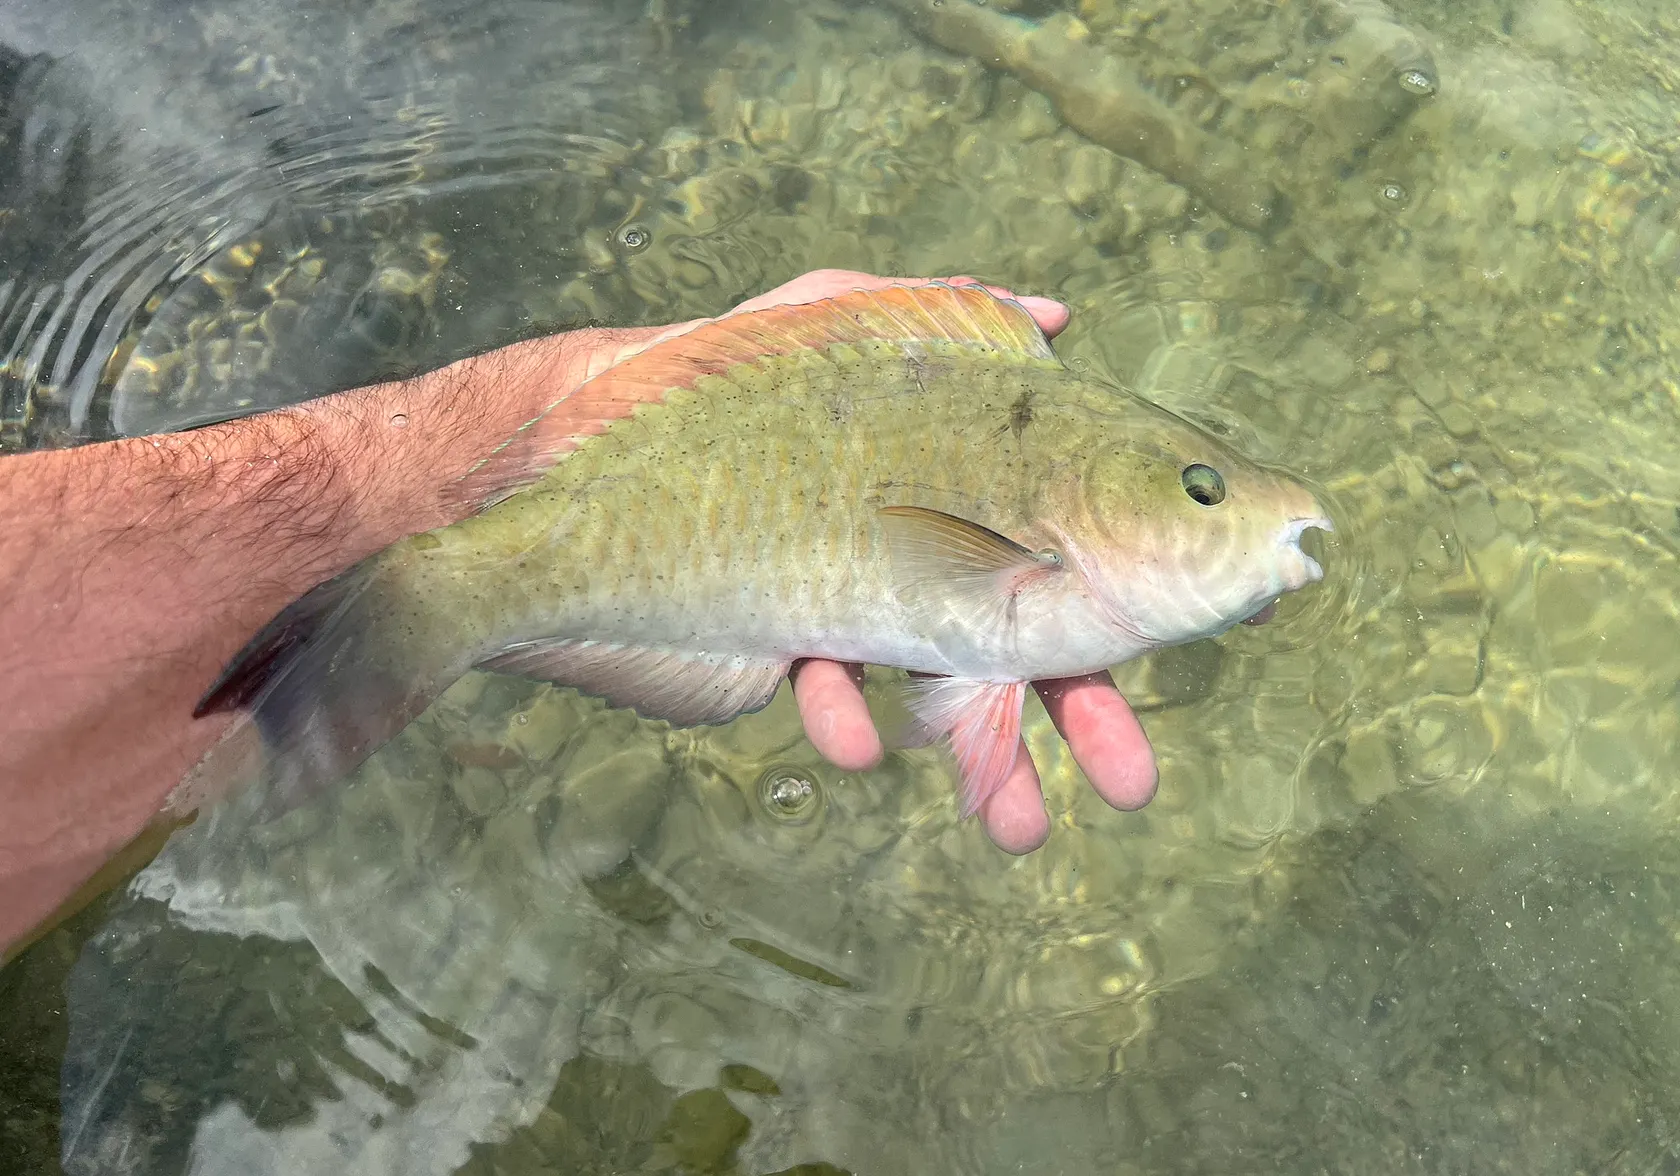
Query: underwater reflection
pixel 437 976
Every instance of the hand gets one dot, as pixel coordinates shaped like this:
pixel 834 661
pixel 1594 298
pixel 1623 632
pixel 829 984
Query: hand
pixel 1104 735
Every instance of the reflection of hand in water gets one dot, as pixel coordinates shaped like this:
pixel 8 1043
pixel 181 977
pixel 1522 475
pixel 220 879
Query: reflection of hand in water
pixel 134 570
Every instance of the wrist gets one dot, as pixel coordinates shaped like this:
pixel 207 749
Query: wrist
pixel 402 445
pixel 395 448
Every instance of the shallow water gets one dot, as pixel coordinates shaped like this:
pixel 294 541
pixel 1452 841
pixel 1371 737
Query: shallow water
pixel 1406 902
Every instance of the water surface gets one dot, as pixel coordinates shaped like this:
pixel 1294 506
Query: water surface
pixel 1406 901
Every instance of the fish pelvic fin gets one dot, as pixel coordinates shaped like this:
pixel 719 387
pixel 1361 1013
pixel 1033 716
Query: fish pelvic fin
pixel 685 689
pixel 327 683
pixel 982 720
pixel 964 316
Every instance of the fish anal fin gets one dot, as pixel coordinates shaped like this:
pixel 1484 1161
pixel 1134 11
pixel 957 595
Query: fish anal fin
pixel 942 562
pixel 965 316
pixel 685 689
pixel 982 720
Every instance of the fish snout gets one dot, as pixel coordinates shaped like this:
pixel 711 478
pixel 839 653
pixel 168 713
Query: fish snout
pixel 1298 568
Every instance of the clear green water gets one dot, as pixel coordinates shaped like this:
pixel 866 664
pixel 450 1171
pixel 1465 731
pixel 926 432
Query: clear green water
pixel 1407 899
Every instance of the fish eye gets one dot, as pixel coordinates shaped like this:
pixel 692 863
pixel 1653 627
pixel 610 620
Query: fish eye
pixel 1204 484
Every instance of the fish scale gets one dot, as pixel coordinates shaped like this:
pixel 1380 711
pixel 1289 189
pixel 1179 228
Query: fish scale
pixel 776 464
pixel 907 477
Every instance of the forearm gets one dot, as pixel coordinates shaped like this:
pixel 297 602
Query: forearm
pixel 131 571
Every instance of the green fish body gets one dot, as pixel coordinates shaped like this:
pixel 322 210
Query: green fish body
pixel 908 478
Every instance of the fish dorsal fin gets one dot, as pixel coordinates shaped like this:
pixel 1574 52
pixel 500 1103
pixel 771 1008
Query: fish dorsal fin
pixel 685 689
pixel 963 316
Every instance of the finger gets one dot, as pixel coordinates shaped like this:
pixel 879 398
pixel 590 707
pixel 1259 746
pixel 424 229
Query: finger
pixel 1051 316
pixel 1107 741
pixel 837 722
pixel 1014 816
pixel 815 285
pixel 598 349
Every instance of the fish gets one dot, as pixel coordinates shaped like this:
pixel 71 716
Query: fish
pixel 908 477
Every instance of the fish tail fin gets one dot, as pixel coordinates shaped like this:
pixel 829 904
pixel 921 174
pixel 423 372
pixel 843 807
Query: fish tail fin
pixel 327 682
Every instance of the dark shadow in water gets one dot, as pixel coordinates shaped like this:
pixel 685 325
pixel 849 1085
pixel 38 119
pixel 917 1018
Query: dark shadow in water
pixel 1392 1023
pixel 269 1006
pixel 218 207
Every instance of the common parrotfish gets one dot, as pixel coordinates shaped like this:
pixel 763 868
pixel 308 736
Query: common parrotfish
pixel 907 477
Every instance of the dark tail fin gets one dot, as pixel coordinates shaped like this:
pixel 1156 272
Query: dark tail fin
pixel 266 656
pixel 335 675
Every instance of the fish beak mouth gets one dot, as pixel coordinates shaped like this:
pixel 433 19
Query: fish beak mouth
pixel 1301 569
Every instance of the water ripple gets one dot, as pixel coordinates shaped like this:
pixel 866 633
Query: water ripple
pixel 269 154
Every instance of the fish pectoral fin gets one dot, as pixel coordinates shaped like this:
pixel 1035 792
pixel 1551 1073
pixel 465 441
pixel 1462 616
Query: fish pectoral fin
pixel 982 721
pixel 948 564
pixel 685 689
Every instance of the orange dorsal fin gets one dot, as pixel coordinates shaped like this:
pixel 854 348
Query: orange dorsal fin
pixel 966 316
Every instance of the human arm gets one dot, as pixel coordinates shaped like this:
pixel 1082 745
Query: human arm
pixel 132 570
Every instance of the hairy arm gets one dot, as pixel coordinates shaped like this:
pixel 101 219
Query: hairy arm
pixel 131 571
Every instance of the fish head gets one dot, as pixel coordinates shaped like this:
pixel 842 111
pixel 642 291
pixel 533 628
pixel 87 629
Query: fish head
pixel 1180 537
